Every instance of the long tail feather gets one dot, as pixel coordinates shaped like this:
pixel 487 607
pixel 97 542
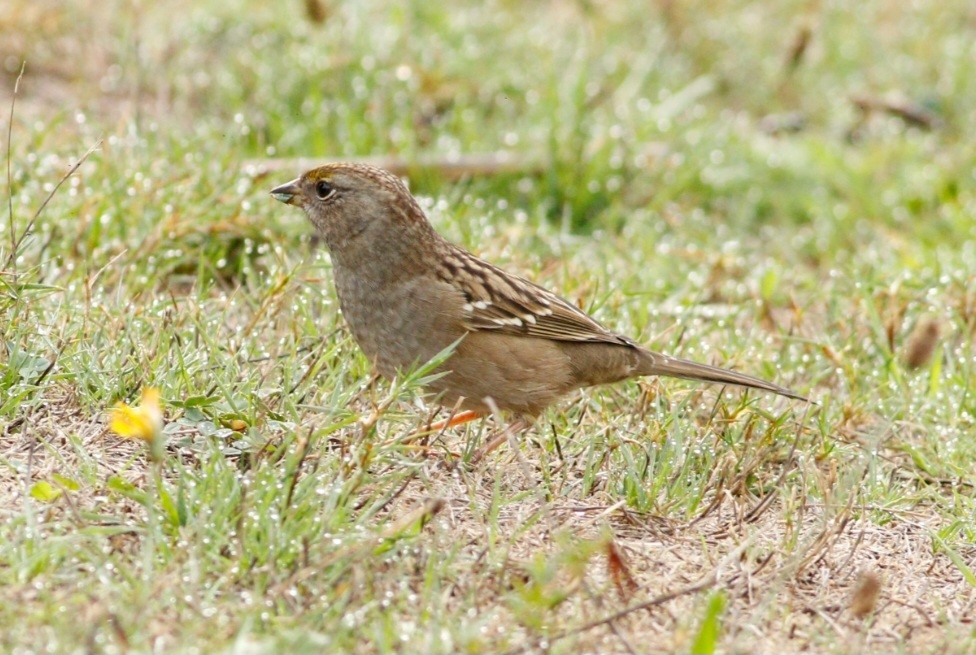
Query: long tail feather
pixel 653 363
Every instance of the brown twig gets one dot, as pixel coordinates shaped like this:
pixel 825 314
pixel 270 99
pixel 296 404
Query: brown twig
pixel 910 112
pixel 418 517
pixel 303 449
pixel 10 184
pixel 754 514
pixel 450 166
pixel 703 583
pixel 798 48
pixel 821 545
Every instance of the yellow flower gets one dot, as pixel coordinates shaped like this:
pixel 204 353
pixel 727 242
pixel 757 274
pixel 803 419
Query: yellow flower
pixel 144 422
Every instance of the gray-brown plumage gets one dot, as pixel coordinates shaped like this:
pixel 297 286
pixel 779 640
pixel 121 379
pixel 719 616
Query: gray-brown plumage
pixel 407 294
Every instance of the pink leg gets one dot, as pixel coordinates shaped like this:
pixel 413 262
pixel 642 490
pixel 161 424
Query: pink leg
pixel 512 429
pixel 458 419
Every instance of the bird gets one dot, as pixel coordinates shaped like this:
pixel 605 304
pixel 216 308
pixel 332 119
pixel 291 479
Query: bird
pixel 407 294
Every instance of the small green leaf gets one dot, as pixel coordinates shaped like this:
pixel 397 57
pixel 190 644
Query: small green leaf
pixel 45 492
pixel 195 401
pixel 127 489
pixel 67 483
pixel 193 415
pixel 707 636
pixel 115 483
pixel 957 559
pixel 918 458
pixel 768 283
pixel 935 373
pixel 36 288
pixel 169 507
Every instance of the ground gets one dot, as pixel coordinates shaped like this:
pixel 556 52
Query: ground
pixel 785 189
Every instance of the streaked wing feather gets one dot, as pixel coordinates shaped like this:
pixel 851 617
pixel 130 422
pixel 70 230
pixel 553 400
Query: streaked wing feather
pixel 501 302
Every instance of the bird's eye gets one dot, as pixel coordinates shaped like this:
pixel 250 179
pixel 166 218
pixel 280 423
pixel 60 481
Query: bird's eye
pixel 323 189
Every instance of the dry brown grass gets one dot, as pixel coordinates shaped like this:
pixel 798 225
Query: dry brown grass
pixel 789 569
pixel 782 598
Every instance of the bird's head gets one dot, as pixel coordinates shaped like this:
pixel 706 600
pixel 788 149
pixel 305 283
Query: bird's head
pixel 348 201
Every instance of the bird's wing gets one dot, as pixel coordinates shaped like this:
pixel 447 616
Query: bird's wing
pixel 498 301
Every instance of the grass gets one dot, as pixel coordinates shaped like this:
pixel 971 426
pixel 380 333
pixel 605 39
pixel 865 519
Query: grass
pixel 294 511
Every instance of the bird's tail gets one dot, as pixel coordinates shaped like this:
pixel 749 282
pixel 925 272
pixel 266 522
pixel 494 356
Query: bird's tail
pixel 653 363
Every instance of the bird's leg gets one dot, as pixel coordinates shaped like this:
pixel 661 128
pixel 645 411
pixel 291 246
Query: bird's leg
pixel 510 431
pixel 454 420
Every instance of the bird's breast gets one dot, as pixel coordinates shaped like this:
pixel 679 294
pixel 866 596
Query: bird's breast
pixel 397 325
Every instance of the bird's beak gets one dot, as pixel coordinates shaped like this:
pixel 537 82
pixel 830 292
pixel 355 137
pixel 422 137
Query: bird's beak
pixel 286 193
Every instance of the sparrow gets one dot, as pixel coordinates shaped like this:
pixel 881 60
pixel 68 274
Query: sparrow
pixel 407 294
